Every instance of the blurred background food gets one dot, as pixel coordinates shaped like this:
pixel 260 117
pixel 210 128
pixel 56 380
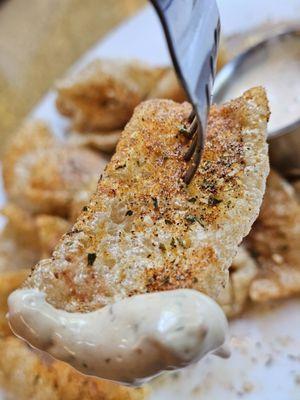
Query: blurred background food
pixel 40 39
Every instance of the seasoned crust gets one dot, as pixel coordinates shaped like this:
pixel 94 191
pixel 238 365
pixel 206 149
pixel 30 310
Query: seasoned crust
pixel 144 230
pixel 102 96
pixel 233 298
pixel 275 242
pixel 42 174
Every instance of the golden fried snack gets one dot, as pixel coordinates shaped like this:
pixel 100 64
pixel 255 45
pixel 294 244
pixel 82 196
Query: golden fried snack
pixel 28 238
pixel 103 141
pixel 9 281
pixel 275 243
pixel 233 298
pixel 25 376
pixel 144 229
pixel 22 224
pixel 168 87
pixel 49 230
pixel 42 174
pixel 103 95
pixel 14 253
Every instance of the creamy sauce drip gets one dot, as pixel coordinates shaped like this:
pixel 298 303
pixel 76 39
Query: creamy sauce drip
pixel 277 68
pixel 129 341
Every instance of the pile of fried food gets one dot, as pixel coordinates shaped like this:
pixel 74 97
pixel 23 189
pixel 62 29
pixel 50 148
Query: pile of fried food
pixel 48 182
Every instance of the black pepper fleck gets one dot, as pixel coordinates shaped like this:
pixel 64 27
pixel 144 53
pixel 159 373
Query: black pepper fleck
pixel 91 257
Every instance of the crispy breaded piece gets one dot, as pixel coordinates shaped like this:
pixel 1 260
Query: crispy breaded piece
pixel 233 298
pixel 144 229
pixel 42 174
pixel 168 87
pixel 49 230
pixel 9 281
pixel 103 95
pixel 103 141
pixel 13 254
pixel 25 376
pixel 27 238
pixel 275 243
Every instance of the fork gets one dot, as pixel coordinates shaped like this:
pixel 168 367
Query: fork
pixel 192 30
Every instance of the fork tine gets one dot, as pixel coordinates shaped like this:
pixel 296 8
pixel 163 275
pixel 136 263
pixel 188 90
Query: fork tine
pixel 188 155
pixel 197 151
pixel 192 115
pixel 193 126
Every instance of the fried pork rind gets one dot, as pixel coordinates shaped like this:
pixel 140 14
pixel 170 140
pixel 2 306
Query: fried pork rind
pixel 26 238
pixel 149 231
pixel 168 87
pixel 275 243
pixel 42 174
pixel 103 141
pixel 49 230
pixel 13 255
pixel 233 298
pixel 26 377
pixel 9 281
pixel 103 95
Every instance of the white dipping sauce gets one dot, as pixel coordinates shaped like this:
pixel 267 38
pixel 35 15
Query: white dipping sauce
pixel 129 341
pixel 277 68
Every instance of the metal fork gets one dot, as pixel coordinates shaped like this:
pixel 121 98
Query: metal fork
pixel 192 30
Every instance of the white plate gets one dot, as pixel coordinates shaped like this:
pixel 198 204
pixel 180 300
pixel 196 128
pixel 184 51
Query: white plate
pixel 265 362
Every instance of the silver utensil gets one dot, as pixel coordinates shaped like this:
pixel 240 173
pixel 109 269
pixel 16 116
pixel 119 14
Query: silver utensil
pixel 192 30
pixel 284 143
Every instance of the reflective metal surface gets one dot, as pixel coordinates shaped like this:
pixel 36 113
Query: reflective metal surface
pixel 192 30
pixel 284 143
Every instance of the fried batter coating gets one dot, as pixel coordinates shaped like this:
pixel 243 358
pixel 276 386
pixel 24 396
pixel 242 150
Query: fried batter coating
pixel 25 376
pixel 42 174
pixel 103 141
pixel 144 229
pixel 103 95
pixel 275 243
pixel 9 281
pixel 168 87
pixel 233 298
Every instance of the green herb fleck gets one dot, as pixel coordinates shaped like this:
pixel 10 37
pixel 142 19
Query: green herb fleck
pixel 180 241
pixel 173 242
pixel 155 202
pixel 162 247
pixel 85 208
pixel 213 201
pixel 91 257
pixel 168 222
pixel 192 200
pixel 191 219
pixel 183 130
pixel 208 185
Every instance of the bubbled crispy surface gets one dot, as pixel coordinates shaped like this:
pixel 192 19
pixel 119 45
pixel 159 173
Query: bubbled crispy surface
pixel 144 230
pixel 275 243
